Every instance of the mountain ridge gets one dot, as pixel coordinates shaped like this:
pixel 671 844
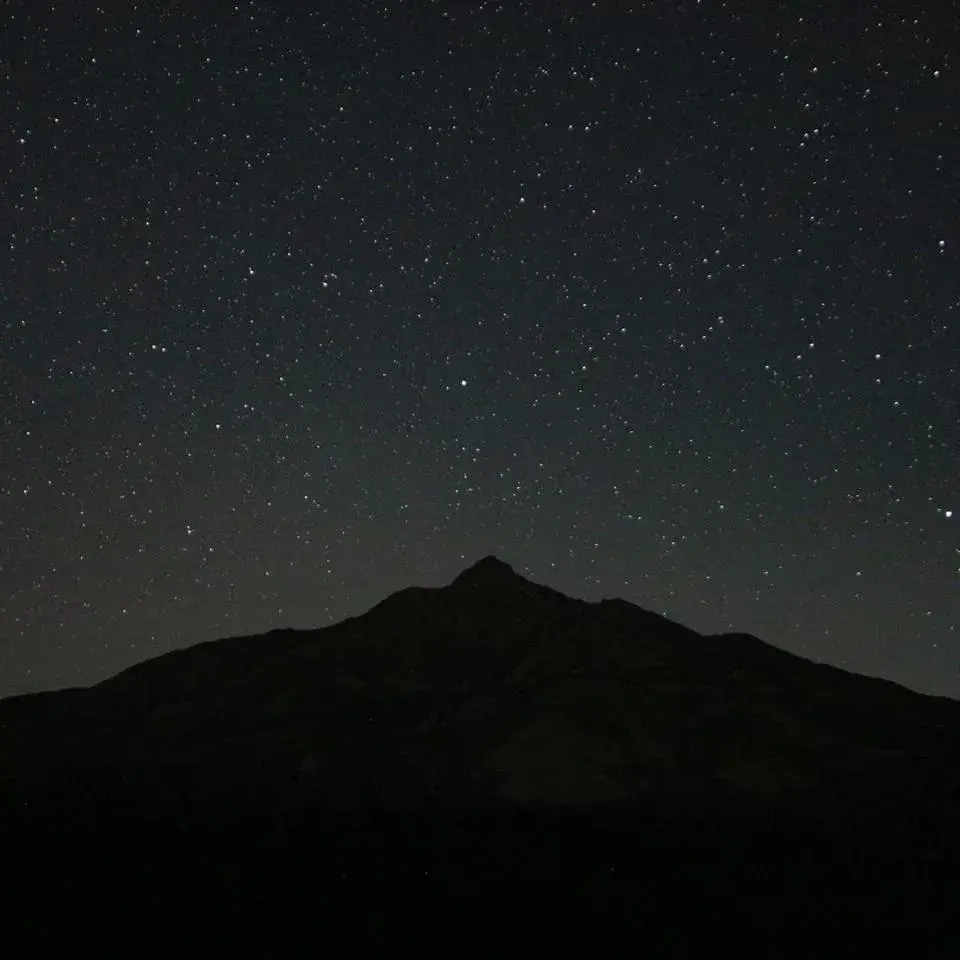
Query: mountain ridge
pixel 489 637
pixel 492 732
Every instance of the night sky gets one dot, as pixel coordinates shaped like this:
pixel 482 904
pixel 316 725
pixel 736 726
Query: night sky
pixel 302 303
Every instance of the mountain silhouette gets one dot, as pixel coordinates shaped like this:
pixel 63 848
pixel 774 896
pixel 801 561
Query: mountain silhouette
pixel 505 726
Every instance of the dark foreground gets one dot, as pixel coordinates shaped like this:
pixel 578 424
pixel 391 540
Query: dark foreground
pixel 549 882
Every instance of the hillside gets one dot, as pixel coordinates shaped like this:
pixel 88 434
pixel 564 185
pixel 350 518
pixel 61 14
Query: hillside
pixel 498 722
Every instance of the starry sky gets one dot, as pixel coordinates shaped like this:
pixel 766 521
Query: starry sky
pixel 302 303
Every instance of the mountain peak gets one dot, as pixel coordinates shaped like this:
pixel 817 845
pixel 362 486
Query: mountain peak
pixel 489 569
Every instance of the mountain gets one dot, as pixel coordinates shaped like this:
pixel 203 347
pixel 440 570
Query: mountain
pixel 490 728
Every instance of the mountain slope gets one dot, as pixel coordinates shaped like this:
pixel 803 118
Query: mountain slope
pixel 491 689
pixel 497 721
